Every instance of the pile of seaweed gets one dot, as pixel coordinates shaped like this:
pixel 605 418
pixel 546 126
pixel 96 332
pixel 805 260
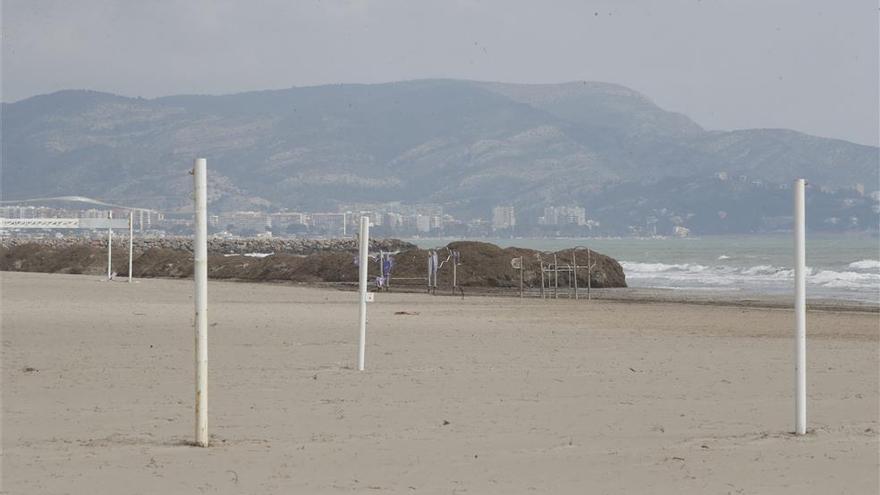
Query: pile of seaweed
pixel 481 265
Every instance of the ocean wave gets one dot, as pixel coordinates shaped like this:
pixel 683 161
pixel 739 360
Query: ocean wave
pixel 661 267
pixel 696 275
pixel 865 265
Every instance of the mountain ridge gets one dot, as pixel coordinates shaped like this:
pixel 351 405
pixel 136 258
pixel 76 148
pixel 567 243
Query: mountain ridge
pixel 464 144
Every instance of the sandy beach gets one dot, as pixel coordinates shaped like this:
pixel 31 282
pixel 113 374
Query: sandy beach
pixel 483 395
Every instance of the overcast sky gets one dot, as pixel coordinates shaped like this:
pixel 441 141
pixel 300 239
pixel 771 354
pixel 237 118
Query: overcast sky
pixel 810 65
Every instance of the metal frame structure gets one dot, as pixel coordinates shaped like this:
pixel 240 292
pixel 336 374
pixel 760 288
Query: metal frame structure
pixel 108 223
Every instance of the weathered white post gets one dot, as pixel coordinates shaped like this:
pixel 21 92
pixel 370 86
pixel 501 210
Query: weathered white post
pixel 130 242
pixel 555 278
pixel 542 278
pixel 110 245
pixel 521 268
pixel 574 268
pixel 454 272
pixel 200 256
pixel 800 309
pixel 430 265
pixel 362 287
pixel 589 275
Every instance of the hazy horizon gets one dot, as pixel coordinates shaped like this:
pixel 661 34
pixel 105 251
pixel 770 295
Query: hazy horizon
pixel 784 64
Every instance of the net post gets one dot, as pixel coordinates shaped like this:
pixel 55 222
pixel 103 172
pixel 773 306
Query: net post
pixel 200 257
pixel 364 237
pixel 110 245
pixel 130 242
pixel 800 337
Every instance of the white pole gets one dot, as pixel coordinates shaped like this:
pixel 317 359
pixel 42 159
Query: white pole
pixel 454 274
pixel 521 263
pixel 110 245
pixel 200 256
pixel 800 312
pixel 362 291
pixel 430 260
pixel 589 275
pixel 555 278
pixel 542 278
pixel 574 264
pixel 130 242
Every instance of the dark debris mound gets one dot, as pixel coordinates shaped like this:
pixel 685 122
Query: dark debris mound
pixel 482 265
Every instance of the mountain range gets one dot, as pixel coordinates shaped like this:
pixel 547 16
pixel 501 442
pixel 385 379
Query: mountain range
pixel 466 145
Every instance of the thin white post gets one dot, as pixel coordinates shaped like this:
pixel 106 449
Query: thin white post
pixel 130 242
pixel 555 278
pixel 542 279
pixel 589 275
pixel 110 245
pixel 800 311
pixel 362 288
pixel 454 274
pixel 430 262
pixel 574 268
pixel 200 256
pixel 521 267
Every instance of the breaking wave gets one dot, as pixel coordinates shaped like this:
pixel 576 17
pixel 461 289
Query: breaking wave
pixel 865 265
pixel 694 275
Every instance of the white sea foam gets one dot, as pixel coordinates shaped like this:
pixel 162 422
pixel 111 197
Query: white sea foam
pixel 872 265
pixel 723 257
pixel 691 275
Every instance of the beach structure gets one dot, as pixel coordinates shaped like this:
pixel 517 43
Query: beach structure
pixel 108 223
pixel 551 270
pixel 453 258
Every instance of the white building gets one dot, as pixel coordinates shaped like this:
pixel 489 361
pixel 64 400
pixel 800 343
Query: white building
pixel 503 217
pixel 564 215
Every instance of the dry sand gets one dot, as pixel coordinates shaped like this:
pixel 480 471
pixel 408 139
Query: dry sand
pixel 484 395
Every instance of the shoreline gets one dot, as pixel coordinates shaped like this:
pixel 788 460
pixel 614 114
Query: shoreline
pixel 641 295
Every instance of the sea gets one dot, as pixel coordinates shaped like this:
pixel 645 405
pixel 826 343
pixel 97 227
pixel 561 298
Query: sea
pixel 843 266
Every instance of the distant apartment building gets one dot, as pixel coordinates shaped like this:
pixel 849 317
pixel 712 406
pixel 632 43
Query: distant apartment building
pixel 144 219
pixel 392 220
pixel 503 217
pixel 564 215
pixel 329 222
pixel 245 220
pixel 282 221
pixel 423 223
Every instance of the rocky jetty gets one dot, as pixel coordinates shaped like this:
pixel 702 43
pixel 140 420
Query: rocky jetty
pixel 216 245
pixel 482 265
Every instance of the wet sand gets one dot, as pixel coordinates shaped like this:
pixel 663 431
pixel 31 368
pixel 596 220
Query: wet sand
pixel 481 395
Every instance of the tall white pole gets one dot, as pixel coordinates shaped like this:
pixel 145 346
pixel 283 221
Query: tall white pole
pixel 110 245
pixel 200 256
pixel 800 309
pixel 130 242
pixel 362 288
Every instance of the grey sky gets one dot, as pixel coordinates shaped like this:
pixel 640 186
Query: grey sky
pixel 810 65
